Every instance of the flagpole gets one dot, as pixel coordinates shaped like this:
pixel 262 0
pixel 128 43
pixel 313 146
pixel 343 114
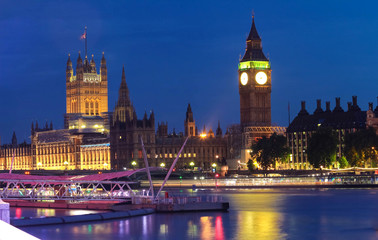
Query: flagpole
pixel 85 41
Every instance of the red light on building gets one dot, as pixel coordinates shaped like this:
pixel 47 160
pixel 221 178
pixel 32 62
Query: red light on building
pixel 217 175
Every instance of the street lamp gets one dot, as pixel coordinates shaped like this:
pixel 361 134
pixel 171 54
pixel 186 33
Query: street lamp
pixel 214 165
pixel 66 164
pixel 39 164
pixel 162 164
pixel 105 165
pixel 191 165
pixel 133 163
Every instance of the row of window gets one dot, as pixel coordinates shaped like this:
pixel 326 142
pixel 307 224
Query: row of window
pixel 91 107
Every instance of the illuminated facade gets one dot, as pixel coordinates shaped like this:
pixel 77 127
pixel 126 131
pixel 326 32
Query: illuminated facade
pixel 22 156
pixel 65 149
pixel 68 149
pixel 86 95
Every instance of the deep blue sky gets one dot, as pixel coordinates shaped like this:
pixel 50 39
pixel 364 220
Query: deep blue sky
pixel 177 52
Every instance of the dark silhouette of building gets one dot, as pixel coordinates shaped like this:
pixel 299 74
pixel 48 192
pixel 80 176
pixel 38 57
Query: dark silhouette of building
pixel 304 124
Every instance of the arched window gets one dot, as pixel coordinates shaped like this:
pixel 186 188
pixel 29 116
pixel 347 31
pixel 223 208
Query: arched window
pixel 96 108
pixel 92 108
pixel 86 107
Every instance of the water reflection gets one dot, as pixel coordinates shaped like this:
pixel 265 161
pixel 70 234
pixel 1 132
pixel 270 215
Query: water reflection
pixel 254 214
pixel 18 212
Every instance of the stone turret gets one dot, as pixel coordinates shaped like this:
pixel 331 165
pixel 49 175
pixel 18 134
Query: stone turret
pixel 79 68
pixel 69 70
pixel 189 123
pixel 103 69
pixel 14 140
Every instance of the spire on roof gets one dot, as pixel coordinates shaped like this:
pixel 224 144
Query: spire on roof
pixel 79 60
pixel 124 109
pixel 69 62
pixel 253 34
pixel 219 130
pixel 189 114
pixel 14 140
pixel 253 51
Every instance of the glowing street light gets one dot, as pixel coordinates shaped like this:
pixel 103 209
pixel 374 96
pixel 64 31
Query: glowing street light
pixel 162 164
pixel 214 165
pixel 66 164
pixel 191 164
pixel 133 163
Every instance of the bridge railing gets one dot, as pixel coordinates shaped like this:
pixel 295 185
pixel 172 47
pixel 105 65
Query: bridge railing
pixel 65 190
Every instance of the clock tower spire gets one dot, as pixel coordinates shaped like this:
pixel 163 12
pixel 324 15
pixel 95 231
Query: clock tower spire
pixel 254 83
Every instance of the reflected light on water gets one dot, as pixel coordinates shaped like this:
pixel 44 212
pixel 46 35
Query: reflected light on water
pixel 206 229
pixel 18 212
pixel 163 229
pixel 219 232
pixel 145 226
pixel 260 225
pixel 192 230
pixel 265 221
pixel 47 212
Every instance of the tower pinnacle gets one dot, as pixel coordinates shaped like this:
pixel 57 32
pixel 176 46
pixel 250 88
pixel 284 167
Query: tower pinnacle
pixel 253 51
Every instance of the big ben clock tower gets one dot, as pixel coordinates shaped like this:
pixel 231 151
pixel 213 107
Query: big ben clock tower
pixel 254 83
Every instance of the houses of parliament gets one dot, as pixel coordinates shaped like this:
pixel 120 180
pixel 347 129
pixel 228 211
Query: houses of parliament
pixel 94 138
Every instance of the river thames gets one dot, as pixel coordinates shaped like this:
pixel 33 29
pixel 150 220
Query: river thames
pixel 253 214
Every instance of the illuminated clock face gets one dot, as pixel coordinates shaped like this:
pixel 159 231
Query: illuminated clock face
pixel 244 78
pixel 261 78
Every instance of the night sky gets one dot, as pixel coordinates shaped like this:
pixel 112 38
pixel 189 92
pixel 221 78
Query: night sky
pixel 176 52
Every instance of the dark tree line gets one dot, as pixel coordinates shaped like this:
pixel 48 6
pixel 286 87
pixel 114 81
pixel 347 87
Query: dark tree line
pixel 322 148
pixel 359 148
pixel 268 151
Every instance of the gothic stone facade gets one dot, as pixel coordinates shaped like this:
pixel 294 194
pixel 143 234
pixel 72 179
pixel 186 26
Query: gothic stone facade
pixel 161 148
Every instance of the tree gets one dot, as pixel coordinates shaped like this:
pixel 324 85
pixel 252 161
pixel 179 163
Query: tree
pixel 360 147
pixel 322 147
pixel 267 151
pixel 250 165
pixel 343 163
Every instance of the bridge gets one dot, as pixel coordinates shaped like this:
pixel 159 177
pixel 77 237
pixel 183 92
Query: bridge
pixel 75 188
